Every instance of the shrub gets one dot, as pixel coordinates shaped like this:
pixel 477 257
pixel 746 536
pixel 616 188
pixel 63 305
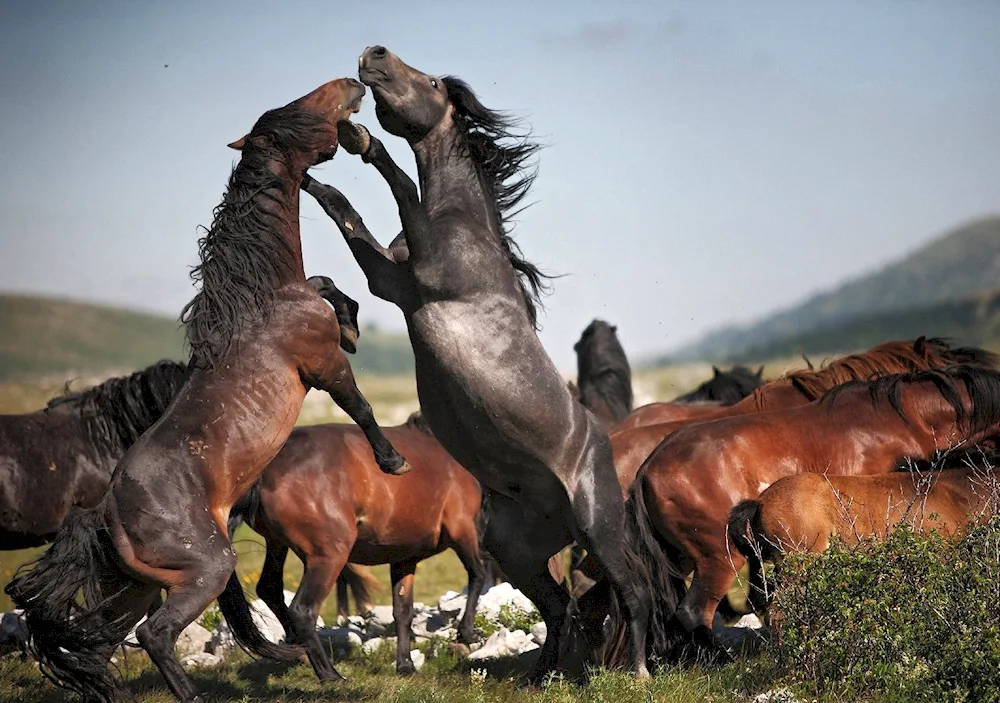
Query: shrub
pixel 913 617
pixel 511 617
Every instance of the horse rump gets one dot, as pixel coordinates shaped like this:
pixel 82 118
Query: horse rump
pixel 73 640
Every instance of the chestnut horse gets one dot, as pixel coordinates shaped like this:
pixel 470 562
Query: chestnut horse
pixel 260 336
pixel 489 391
pixel 723 389
pixel 681 498
pixel 62 457
pixel 324 497
pixel 801 513
pixel 804 386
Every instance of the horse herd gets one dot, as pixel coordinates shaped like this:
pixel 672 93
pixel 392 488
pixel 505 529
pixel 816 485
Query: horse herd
pixel 140 482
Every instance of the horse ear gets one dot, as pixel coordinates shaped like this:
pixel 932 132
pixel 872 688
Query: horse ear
pixel 760 371
pixel 238 144
pixel 716 372
pixel 920 346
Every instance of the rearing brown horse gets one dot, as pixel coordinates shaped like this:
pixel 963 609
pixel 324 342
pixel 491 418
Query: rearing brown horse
pixel 260 336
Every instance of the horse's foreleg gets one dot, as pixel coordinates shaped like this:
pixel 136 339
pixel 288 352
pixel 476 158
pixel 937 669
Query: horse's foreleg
pixel 402 611
pixel 385 279
pixel 714 576
pixel 467 548
pixel 340 384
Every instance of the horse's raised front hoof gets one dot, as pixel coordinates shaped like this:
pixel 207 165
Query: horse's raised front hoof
pixel 396 467
pixel 354 137
pixel 405 669
pixel 348 339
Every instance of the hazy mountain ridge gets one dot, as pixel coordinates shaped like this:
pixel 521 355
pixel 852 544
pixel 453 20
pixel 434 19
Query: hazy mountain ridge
pixel 952 268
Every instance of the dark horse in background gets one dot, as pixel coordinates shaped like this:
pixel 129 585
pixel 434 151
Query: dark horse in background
pixel 487 388
pixel 260 337
pixel 61 457
pixel 725 388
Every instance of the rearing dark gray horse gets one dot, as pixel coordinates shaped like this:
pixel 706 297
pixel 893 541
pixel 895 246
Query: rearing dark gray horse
pixel 487 388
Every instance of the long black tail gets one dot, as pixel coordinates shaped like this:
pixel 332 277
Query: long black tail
pixel 746 534
pixel 666 575
pixel 73 640
pixel 233 601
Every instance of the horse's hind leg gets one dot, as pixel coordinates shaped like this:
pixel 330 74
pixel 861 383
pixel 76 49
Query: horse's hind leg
pixel 341 386
pixel 199 583
pixel 318 579
pixel 600 515
pixel 467 548
pixel 713 577
pixel 522 541
pixel 343 605
pixel 271 585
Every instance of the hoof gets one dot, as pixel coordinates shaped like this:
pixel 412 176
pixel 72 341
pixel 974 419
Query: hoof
pixel 348 339
pixel 332 676
pixel 399 470
pixel 354 138
pixel 406 669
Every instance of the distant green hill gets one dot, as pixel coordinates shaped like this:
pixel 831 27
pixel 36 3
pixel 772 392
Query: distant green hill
pixel 974 320
pixel 959 264
pixel 51 336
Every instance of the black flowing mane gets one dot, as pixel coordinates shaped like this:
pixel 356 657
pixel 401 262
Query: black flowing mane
pixel 117 412
pixel 244 257
pixel 981 384
pixel 505 174
pixel 603 371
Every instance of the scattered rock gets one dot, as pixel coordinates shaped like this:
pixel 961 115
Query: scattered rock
pixel 201 659
pixel 417 657
pixel 504 644
pixel 342 636
pixel 451 604
pixel 380 620
pixel 777 695
pixel 502 594
pixel 195 639
pixel 750 621
pixel 222 640
pixel 13 631
pixel 539 632
pixel 375 643
pixel 427 624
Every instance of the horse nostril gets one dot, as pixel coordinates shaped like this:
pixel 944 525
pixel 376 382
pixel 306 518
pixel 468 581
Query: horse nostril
pixel 355 83
pixel 378 51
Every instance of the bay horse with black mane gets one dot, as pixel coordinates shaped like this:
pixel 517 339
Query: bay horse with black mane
pixel 260 336
pixel 681 498
pixel 61 457
pixel 487 388
pixel 324 498
pixel 802 513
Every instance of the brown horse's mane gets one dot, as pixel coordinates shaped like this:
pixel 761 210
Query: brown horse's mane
pixel 889 358
pixel 244 256
pixel 117 412
pixel 416 421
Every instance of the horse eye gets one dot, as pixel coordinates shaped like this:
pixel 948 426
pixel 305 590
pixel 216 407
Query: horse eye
pixel 434 83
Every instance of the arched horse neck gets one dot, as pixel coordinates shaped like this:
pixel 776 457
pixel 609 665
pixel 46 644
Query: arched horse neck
pixel 284 208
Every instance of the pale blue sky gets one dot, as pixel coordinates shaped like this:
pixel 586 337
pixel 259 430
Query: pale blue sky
pixel 707 163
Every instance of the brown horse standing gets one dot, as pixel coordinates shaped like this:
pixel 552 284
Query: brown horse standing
pixel 682 496
pixel 801 513
pixel 324 497
pixel 260 336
